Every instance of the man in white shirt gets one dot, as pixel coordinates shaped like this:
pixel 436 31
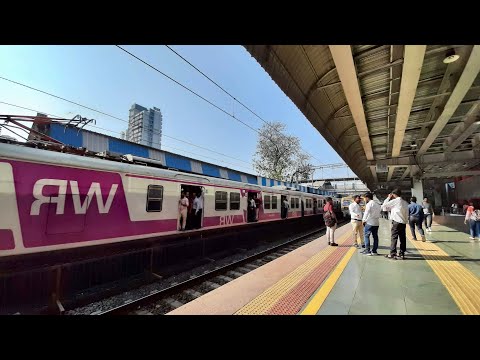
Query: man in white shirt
pixel 371 222
pixel 356 220
pixel 198 207
pixel 399 215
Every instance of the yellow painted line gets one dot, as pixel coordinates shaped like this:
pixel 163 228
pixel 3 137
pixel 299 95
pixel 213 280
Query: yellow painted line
pixel 461 283
pixel 317 301
pixel 266 300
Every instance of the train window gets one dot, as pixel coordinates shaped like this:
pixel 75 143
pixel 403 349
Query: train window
pixel 309 203
pixel 292 203
pixel 220 200
pixel 154 198
pixel 266 202
pixel 274 201
pixel 234 201
pixel 297 203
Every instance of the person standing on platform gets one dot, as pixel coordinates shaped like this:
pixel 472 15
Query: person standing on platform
pixel 356 220
pixel 415 217
pixel 399 215
pixel 371 223
pixel 473 217
pixel 330 220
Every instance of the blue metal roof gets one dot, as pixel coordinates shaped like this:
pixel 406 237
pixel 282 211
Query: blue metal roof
pixel 84 138
pixel 178 162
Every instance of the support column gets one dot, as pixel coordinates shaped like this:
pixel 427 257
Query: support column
pixel 417 189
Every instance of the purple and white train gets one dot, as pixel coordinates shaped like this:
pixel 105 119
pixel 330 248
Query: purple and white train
pixel 55 201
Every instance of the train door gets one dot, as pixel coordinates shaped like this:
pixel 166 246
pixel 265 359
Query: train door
pixel 314 206
pixel 302 206
pixel 251 206
pixel 283 206
pixel 194 218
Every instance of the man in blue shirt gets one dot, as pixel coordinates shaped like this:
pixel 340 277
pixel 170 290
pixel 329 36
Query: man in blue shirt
pixel 415 217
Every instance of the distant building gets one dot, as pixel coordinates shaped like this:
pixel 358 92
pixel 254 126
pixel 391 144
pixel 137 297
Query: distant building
pixel 144 126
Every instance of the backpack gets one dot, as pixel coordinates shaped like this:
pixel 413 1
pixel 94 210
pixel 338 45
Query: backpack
pixel 329 219
pixel 475 216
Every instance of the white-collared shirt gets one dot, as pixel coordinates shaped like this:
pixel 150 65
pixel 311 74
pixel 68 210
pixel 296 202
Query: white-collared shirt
pixel 198 203
pixel 355 211
pixel 398 209
pixel 372 213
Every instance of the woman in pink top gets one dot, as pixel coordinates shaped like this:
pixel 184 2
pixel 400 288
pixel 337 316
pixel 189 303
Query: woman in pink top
pixel 330 221
pixel 474 222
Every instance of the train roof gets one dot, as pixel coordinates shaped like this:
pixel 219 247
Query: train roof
pixel 18 151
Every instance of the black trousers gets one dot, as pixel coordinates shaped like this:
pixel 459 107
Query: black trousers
pixel 198 219
pixel 398 231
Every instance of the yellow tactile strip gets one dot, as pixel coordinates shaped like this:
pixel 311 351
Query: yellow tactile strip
pixel 265 301
pixel 461 283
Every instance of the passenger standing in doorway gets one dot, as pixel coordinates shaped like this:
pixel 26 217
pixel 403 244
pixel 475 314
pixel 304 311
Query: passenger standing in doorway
pixel 371 222
pixel 258 204
pixel 191 219
pixel 285 207
pixel 356 220
pixel 198 205
pixel 182 211
pixel 427 214
pixel 330 220
pixel 399 215
pixel 252 207
pixel 415 217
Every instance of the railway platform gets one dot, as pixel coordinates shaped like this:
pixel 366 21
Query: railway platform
pixel 440 276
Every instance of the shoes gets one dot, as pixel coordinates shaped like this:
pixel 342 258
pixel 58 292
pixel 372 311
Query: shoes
pixel 333 244
pixel 391 257
pixel 414 239
pixel 355 245
pixel 363 246
pixel 401 256
pixel 365 252
pixel 373 253
pixel 472 238
pixel 423 239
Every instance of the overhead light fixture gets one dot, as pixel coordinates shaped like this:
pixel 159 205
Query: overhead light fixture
pixel 451 56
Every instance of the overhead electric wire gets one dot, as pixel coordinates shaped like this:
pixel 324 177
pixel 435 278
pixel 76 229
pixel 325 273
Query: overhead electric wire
pixel 115 117
pixel 116 132
pixel 233 97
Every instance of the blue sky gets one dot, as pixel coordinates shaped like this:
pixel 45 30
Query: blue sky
pixel 105 78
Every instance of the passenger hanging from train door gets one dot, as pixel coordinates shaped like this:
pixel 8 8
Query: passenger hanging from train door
pixel 198 205
pixel 251 207
pixel 191 219
pixel 258 205
pixel 285 207
pixel 182 211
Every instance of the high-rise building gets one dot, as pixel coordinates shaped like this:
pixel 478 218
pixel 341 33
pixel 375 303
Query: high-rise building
pixel 145 126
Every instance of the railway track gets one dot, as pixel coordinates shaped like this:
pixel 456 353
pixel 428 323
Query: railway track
pixel 160 302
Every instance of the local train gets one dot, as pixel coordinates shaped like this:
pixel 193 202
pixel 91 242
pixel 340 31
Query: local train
pixel 346 201
pixel 54 201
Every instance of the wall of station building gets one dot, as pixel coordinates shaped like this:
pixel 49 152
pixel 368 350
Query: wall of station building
pixel 468 188
pixel 98 143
